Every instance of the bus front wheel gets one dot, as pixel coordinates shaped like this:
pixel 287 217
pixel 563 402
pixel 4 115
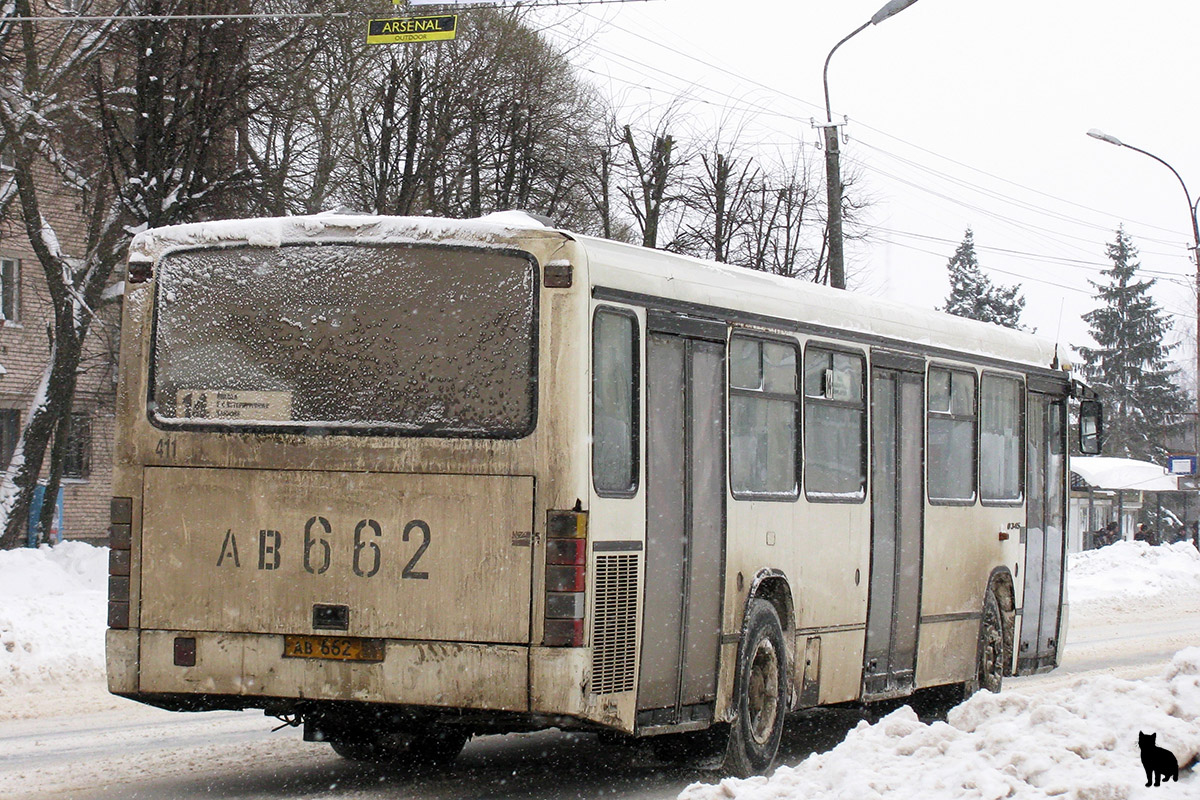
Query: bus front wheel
pixel 761 700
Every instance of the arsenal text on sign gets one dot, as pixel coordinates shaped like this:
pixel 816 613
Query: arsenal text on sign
pixel 412 29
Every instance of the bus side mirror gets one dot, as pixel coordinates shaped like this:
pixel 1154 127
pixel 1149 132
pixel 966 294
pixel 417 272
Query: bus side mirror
pixel 1091 427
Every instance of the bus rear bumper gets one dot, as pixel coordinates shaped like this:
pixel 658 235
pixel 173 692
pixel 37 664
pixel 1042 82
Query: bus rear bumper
pixel 432 674
pixel 121 657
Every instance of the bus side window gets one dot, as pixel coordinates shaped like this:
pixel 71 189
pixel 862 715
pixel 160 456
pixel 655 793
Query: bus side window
pixel 763 406
pixel 615 420
pixel 835 426
pixel 951 436
pixel 1000 433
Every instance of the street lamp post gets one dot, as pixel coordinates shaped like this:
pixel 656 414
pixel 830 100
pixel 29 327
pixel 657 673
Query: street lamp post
pixel 1104 137
pixel 833 168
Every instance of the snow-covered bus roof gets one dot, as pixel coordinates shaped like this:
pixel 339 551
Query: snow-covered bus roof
pixel 813 306
pixel 638 271
pixel 499 229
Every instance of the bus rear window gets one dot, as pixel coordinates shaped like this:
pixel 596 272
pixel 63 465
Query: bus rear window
pixel 396 339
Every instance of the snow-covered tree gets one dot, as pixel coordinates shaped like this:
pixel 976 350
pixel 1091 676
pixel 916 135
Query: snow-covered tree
pixel 43 112
pixel 1129 366
pixel 974 296
pixel 135 123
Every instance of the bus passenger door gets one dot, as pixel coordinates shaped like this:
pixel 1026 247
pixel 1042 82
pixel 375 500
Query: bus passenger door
pixel 897 524
pixel 685 519
pixel 1045 537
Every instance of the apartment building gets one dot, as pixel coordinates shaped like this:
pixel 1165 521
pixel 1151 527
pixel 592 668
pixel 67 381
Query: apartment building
pixel 27 315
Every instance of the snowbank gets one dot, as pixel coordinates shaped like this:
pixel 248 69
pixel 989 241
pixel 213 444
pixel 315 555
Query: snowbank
pixel 53 609
pixel 1133 577
pixel 1081 744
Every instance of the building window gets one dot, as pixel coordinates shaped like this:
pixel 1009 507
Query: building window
pixel 1000 439
pixel 951 436
pixel 835 426
pixel 615 403
pixel 10 432
pixel 763 406
pixel 77 463
pixel 10 279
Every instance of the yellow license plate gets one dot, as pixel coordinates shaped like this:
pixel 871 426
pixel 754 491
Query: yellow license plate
pixel 338 648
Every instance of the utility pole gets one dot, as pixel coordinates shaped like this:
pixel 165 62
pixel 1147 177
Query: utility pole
pixel 833 167
pixel 833 187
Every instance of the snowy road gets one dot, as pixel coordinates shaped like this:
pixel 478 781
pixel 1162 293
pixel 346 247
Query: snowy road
pixel 87 745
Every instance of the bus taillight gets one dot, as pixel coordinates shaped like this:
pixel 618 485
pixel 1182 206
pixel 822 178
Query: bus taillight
pixel 119 544
pixel 566 578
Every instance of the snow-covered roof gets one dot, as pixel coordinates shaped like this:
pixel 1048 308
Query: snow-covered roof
pixel 1104 472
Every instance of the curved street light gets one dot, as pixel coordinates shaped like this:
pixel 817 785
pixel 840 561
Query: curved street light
pixel 1192 210
pixel 833 167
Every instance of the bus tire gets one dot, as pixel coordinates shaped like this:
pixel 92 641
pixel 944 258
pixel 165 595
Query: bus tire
pixel 760 700
pixel 362 749
pixel 990 671
pixel 437 746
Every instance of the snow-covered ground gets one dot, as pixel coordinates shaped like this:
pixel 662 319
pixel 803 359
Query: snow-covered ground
pixel 1072 734
pixel 52 616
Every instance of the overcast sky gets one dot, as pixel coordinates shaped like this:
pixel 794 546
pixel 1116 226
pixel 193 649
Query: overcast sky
pixel 962 113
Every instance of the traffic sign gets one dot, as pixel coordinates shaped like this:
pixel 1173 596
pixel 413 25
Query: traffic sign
pixel 1181 465
pixel 406 30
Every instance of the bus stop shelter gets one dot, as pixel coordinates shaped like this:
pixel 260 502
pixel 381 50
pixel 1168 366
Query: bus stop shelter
pixel 1106 489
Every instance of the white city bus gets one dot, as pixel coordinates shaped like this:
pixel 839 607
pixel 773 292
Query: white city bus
pixel 405 481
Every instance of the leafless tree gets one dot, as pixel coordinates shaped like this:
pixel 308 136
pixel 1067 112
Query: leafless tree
pixel 137 123
pixel 495 119
pixel 784 209
pixel 654 183
pixel 719 197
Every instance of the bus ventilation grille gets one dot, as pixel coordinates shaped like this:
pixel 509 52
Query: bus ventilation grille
pixel 614 635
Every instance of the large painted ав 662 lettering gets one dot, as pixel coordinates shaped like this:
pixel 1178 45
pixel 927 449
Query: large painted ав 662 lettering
pixel 367 554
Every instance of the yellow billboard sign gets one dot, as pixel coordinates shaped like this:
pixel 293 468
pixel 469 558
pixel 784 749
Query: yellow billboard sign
pixel 406 30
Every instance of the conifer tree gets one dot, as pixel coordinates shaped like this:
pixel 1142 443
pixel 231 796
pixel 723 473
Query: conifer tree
pixel 974 296
pixel 1129 366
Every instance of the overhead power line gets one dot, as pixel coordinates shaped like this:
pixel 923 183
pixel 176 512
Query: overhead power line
pixel 1091 266
pixel 780 93
pixel 69 18
pixel 1023 204
pixel 1023 227
pixel 1188 316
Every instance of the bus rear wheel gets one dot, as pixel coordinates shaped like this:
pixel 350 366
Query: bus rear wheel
pixel 761 700
pixel 935 702
pixel 425 747
pixel 438 746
